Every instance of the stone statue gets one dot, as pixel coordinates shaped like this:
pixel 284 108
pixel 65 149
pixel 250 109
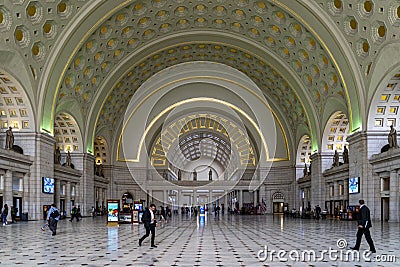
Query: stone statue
pixel 194 175
pixel 305 171
pixel 57 156
pixel 9 138
pixel 99 171
pixel 392 137
pixel 335 159
pixel 210 175
pixel 179 175
pixel 68 161
pixel 345 155
pixel 164 174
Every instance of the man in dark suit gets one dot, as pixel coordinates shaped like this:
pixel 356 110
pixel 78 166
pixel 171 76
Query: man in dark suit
pixel 149 220
pixel 364 223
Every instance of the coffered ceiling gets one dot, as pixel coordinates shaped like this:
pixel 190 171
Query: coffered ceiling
pixel 87 58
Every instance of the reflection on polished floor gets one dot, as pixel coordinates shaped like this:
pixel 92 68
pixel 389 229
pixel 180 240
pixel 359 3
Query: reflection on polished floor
pixel 220 241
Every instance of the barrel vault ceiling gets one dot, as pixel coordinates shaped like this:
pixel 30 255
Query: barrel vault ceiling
pixel 88 58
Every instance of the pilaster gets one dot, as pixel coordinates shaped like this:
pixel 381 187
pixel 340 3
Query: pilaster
pixel 317 180
pixel 359 167
pixel 43 166
pixel 394 197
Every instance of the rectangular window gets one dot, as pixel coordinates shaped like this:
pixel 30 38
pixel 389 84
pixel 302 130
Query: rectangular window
pixel 17 184
pixel 331 191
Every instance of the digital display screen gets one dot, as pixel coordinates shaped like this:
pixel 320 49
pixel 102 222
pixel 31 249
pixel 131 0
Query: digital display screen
pixel 113 211
pixel 48 185
pixel 138 206
pixel 354 185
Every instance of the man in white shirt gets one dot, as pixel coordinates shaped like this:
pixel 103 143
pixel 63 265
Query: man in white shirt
pixel 150 222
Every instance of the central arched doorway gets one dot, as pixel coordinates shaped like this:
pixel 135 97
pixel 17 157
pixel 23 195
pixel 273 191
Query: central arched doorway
pixel 278 200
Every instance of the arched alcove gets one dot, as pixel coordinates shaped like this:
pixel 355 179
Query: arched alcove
pixel 67 134
pixel 335 133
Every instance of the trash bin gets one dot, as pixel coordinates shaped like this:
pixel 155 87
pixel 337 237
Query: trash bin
pixel 24 216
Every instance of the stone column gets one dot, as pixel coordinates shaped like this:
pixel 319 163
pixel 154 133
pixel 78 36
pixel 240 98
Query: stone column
pixel 87 194
pixel 255 198
pixel 210 200
pixel 194 197
pixel 43 165
pixel 240 199
pixel 77 196
pixel 8 193
pixel 165 198
pixel 317 180
pixel 346 190
pixel 26 195
pixel 336 190
pixel 359 167
pixel 180 200
pixel 226 202
pixel 68 198
pixel 394 197
pixel 150 193
pixel 57 191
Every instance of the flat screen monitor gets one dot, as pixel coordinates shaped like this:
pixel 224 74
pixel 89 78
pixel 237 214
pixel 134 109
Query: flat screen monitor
pixel 354 185
pixel 48 185
pixel 138 206
pixel 113 211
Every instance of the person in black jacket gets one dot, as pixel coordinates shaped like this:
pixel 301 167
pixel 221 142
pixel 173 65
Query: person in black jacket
pixel 149 220
pixel 364 223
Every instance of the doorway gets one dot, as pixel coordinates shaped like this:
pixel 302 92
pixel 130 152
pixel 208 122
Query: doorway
pixel 278 207
pixel 17 203
pixel 62 207
pixel 278 200
pixel 385 209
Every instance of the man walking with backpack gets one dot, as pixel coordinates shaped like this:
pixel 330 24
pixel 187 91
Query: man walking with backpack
pixel 52 217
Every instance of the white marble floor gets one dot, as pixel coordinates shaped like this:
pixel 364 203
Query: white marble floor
pixel 225 241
